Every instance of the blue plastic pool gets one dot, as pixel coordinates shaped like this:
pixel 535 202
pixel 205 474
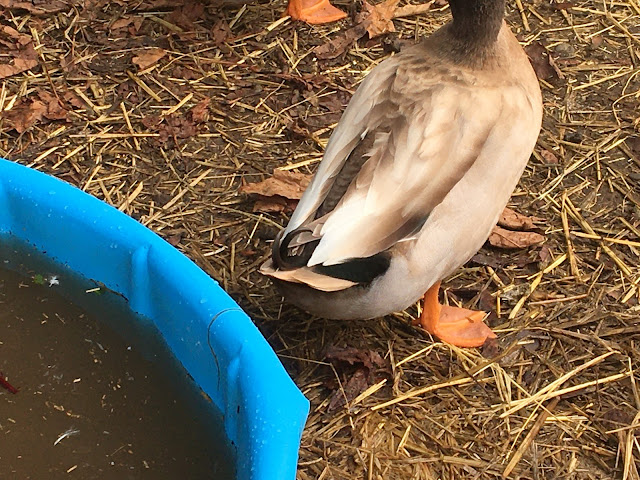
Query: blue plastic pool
pixel 264 412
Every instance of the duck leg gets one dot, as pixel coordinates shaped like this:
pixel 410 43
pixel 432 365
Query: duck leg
pixel 457 326
pixel 314 11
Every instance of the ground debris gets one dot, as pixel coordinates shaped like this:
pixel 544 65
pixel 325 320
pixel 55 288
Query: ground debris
pixel 378 18
pixel 512 231
pixel 5 384
pixel 339 45
pixel 19 48
pixel 278 193
pixel 516 221
pixel 542 62
pixel 147 58
pixel 510 239
pixel 367 364
pixel 35 7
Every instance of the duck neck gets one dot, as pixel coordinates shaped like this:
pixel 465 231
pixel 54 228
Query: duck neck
pixel 476 23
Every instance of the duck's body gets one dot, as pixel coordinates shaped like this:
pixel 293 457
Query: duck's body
pixel 416 173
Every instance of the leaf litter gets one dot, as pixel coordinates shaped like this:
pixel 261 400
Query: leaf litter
pixel 278 193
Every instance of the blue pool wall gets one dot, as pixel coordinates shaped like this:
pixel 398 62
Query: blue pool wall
pixel 217 343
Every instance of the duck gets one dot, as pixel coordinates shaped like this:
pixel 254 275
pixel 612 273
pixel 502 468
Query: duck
pixel 414 177
pixel 314 11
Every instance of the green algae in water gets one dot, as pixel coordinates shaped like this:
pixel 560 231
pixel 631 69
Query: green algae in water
pixel 100 395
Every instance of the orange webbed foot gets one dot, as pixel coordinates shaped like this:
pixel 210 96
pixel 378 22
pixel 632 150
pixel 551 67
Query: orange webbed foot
pixel 457 326
pixel 314 11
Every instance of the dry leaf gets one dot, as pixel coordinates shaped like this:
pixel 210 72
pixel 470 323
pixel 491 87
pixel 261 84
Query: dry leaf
pixel 539 58
pixel 508 239
pixel 26 115
pixel 200 113
pixel 367 361
pixel 74 100
pixel 221 32
pixel 549 156
pixel 283 183
pixel 148 57
pixel 275 204
pixel 378 18
pixel 12 38
pixel 337 46
pixel 176 126
pixel 121 23
pixel 18 65
pixel 353 355
pixel 51 6
pixel 357 384
pixel 20 55
pixel 55 110
pixel 410 9
pixel 516 221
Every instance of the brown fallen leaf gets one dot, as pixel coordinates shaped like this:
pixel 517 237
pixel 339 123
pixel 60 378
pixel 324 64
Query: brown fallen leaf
pixel 509 239
pixel 597 40
pixel 74 100
pixel 544 255
pixel 121 23
pixel 516 221
pixel 200 113
pixel 353 356
pixel 55 109
pixel 283 183
pixel 43 8
pixel 357 384
pixel 12 38
pixel 20 54
pixel 410 9
pixel 186 15
pixel 339 45
pixel 148 57
pixel 25 115
pixel 221 32
pixel 539 58
pixel 275 204
pixel 18 65
pixel 378 18
pixel 549 156
pixel 367 362
pixel 176 126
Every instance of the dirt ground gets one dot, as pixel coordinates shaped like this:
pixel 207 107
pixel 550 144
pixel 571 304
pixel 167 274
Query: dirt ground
pixel 165 110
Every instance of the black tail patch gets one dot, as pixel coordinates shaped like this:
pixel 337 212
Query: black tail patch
pixel 358 270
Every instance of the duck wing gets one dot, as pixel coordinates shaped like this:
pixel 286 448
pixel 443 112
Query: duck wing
pixel 414 129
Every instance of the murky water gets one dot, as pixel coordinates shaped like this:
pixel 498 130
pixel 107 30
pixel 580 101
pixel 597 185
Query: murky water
pixel 99 395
